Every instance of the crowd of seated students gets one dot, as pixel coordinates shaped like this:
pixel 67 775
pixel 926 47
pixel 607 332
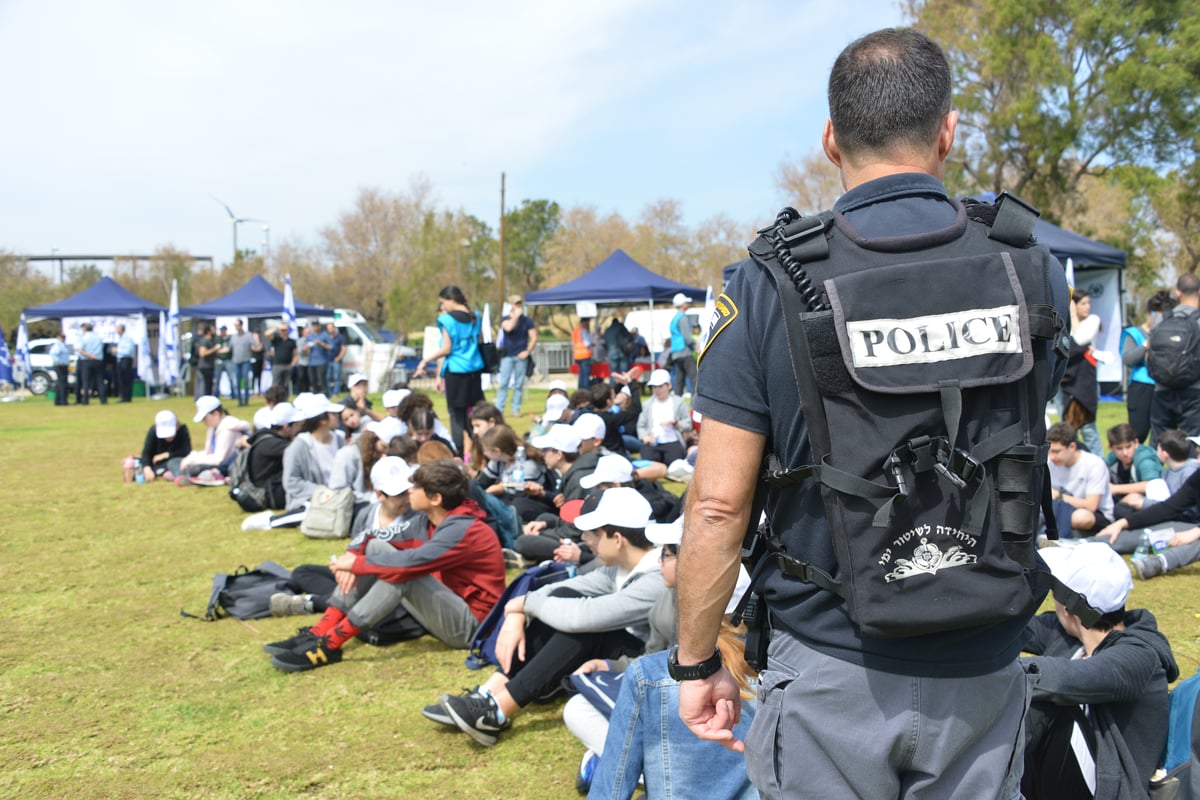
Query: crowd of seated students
pixel 432 538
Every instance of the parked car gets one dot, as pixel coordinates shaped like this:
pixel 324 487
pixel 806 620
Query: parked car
pixel 41 379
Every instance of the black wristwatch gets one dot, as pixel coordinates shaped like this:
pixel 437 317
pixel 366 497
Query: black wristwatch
pixel 692 672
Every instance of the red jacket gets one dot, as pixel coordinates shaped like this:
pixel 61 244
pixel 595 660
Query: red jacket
pixel 462 552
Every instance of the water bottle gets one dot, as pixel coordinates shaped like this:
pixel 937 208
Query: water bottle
pixel 138 475
pixel 1145 545
pixel 516 476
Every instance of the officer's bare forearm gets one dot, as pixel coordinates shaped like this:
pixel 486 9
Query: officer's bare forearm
pixel 718 509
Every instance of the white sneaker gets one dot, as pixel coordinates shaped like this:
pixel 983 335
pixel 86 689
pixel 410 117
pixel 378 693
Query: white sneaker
pixel 257 522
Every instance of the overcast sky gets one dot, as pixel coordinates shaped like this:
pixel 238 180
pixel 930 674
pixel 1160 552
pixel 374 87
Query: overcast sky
pixel 124 119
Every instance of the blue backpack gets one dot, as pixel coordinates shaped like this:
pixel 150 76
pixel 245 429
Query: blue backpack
pixel 1183 747
pixel 483 646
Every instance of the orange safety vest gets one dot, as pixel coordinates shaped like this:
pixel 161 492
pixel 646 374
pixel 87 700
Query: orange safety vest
pixel 582 348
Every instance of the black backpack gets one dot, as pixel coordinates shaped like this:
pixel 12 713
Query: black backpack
pixel 242 489
pixel 1173 350
pixel 923 372
pixel 246 593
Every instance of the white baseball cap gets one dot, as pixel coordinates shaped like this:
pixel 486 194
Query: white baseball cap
pixel 560 385
pixel 386 429
pixel 679 299
pixel 589 426
pixel 609 469
pixel 391 475
pixel 282 414
pixel 262 418
pixel 314 405
pixel 623 507
pixel 658 377
pixel 661 533
pixel 563 438
pixel 165 424
pixel 556 404
pixel 1094 570
pixel 205 405
pixel 393 397
pixel 355 378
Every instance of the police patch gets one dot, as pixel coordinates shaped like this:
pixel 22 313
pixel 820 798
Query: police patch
pixel 724 313
pixel 935 338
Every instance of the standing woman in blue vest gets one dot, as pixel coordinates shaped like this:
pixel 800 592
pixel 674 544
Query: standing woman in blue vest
pixel 1139 394
pixel 460 375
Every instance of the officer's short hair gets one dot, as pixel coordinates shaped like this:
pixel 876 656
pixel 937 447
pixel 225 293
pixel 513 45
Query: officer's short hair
pixel 1188 284
pixel 888 88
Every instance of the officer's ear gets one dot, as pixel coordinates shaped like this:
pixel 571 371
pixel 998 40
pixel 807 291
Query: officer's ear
pixel 946 135
pixel 830 146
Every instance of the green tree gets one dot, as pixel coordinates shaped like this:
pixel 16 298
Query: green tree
pixel 1051 92
pixel 22 284
pixel 528 229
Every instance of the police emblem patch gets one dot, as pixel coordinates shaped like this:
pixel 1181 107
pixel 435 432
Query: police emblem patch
pixel 725 312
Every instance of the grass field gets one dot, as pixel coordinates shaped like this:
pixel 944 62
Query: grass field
pixel 107 692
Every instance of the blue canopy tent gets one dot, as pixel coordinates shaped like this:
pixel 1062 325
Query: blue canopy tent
pixel 105 298
pixel 617 279
pixel 256 299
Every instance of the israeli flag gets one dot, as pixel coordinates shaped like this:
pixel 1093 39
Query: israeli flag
pixel 6 372
pixel 23 349
pixel 164 370
pixel 145 365
pixel 171 334
pixel 289 307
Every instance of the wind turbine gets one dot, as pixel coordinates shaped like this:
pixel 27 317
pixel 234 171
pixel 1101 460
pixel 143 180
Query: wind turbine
pixel 235 219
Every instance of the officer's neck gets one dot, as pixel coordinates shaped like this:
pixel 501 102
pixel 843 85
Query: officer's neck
pixel 853 175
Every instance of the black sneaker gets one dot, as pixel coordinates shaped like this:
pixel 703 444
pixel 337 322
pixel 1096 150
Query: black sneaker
pixel 304 636
pixel 435 712
pixel 306 657
pixel 477 716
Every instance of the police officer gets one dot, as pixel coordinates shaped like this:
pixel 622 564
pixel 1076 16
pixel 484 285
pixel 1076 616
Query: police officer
pixel 840 713
pixel 60 356
pixel 125 353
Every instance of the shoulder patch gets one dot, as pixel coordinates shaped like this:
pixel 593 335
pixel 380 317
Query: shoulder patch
pixel 724 313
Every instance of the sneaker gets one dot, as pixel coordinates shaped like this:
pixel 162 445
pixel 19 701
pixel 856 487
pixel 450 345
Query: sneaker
pixel 307 656
pixel 587 770
pixel 257 522
pixel 288 605
pixel 477 716
pixel 1150 566
pixel 512 559
pixel 304 636
pixel 435 712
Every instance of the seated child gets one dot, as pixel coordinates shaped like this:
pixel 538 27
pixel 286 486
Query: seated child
pixel 167 444
pixel 1098 721
pixel 1131 466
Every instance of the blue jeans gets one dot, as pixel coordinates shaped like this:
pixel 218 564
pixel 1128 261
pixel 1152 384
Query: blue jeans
pixel 333 378
pixel 224 367
pixel 241 385
pixel 512 373
pixel 585 373
pixel 646 737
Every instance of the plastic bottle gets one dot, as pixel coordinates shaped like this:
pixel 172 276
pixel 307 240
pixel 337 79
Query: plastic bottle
pixel 138 474
pixel 1145 545
pixel 516 476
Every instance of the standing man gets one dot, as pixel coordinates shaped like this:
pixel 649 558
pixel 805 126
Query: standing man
pixel 224 365
pixel 869 698
pixel 581 351
pixel 337 351
pixel 206 354
pixel 520 336
pixel 683 358
pixel 302 347
pixel 125 352
pixel 60 356
pixel 317 344
pixel 241 346
pixel 619 344
pixel 283 356
pixel 90 367
pixel 1178 406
